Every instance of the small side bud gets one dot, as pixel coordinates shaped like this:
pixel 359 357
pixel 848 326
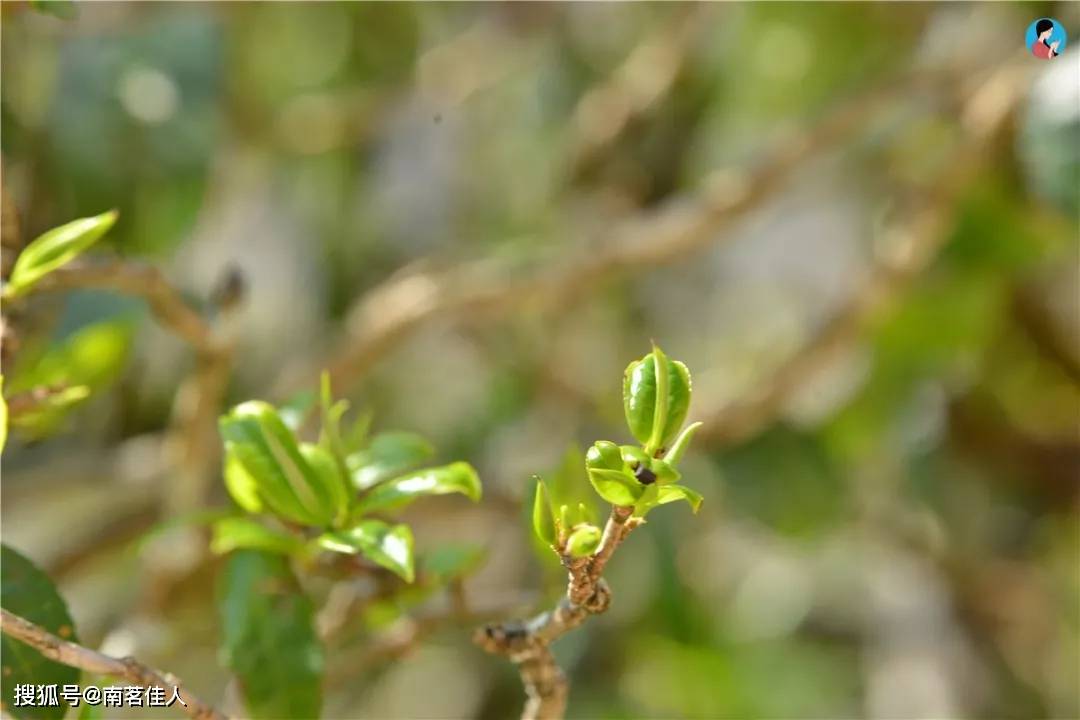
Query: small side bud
pixel 583 541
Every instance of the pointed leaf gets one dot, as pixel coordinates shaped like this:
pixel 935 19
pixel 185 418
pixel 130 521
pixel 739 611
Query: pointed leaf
pixel 678 448
pixel 673 493
pixel 269 638
pixel 387 455
pixel 459 477
pixel 55 248
pixel 386 545
pixel 27 591
pixel 542 516
pixel 332 412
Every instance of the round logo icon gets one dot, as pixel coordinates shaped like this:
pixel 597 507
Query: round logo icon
pixel 1045 38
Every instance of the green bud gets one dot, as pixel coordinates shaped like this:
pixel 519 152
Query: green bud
pixel 656 398
pixel 583 541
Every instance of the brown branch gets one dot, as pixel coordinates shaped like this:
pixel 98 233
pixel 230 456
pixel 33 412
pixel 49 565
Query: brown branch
pixel 390 312
pixel 142 281
pixel 74 655
pixel 527 642
pixel 646 75
pixel 985 115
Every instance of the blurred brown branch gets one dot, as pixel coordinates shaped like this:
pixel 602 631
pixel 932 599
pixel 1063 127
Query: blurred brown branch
pixel 913 245
pixel 142 281
pixel 390 312
pixel 528 643
pixel 84 658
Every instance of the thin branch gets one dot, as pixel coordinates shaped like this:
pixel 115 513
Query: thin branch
pixel 390 312
pixel 528 642
pixel 986 113
pixel 143 281
pixel 74 655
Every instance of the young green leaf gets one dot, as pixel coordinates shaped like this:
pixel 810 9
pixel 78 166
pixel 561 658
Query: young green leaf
pixel 615 487
pixel 542 515
pixel 257 438
pixel 387 455
pixel 332 412
pixel 648 500
pixel 239 533
pixel 386 545
pixel 673 493
pixel 94 356
pixel 656 398
pixel 54 249
pixel 583 541
pixel 269 640
pixel 459 477
pixel 242 486
pixel 27 591
pixel 678 448
pixel 609 474
pixel 329 475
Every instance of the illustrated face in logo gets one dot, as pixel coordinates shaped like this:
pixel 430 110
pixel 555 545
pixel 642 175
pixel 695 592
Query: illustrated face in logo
pixel 1045 38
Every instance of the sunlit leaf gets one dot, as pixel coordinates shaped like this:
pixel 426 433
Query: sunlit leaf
pixel 459 477
pixel 329 475
pixel 260 442
pixel 28 592
pixel 242 486
pixel 390 546
pixel 387 455
pixel 238 533
pixel 543 518
pixel 269 640
pixel 54 249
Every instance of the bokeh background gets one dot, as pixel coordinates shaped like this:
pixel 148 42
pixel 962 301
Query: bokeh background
pixel 857 225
